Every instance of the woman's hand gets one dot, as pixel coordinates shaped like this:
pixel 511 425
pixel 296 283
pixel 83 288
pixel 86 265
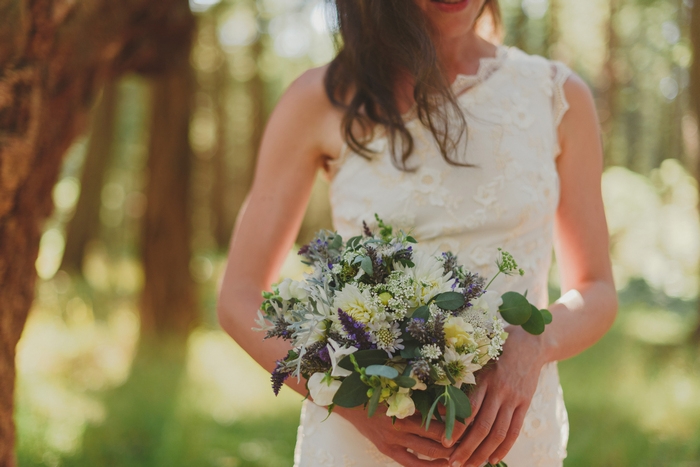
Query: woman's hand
pixel 393 439
pixel 500 402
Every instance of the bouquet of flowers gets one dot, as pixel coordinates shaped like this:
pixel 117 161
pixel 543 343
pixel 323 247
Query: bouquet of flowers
pixel 378 321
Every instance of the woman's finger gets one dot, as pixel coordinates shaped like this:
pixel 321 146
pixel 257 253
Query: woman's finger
pixel 497 435
pixel 423 446
pixel 478 431
pixel 513 432
pixel 457 434
pixel 406 459
pixel 412 425
pixel 476 399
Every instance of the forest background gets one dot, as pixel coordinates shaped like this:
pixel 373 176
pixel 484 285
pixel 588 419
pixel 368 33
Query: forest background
pixel 128 134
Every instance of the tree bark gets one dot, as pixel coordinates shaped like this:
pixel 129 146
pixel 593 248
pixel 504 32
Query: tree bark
pixel 168 301
pixel 695 102
pixel 611 93
pixel 220 196
pixel 55 54
pixel 85 223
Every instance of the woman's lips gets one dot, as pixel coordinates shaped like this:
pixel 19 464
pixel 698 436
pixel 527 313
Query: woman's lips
pixel 450 7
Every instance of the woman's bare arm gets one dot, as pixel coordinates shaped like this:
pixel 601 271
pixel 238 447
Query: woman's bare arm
pixel 291 152
pixel 582 315
pixel 302 130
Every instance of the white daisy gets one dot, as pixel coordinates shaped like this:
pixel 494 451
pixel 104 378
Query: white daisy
pixel 429 277
pixel 360 304
pixel 387 337
pixel 460 367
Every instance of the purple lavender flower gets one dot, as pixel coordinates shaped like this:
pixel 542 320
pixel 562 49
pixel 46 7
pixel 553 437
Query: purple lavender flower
pixel 279 376
pixel 428 333
pixel 419 331
pixel 356 331
pixel 323 355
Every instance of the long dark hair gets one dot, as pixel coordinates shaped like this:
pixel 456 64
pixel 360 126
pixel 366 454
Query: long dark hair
pixel 379 42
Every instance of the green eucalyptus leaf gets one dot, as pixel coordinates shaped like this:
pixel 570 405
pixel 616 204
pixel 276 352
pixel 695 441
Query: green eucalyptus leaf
pixel 449 300
pixel 547 316
pixel 515 308
pixel 423 401
pixel 405 381
pixel 351 393
pixel 364 358
pixel 382 370
pixel 366 265
pixel 422 312
pixel 354 242
pixel 534 325
pixel 374 402
pixel 410 351
pixel 449 417
pixel 463 407
pixel 411 239
pixel 432 412
pixel 336 243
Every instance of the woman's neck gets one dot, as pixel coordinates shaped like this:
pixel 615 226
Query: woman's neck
pixel 461 55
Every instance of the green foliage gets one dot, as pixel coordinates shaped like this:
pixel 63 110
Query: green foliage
pixel 382 370
pixel 352 392
pixel 535 324
pixel 515 308
pixel 364 358
pixel 449 300
pixel 422 312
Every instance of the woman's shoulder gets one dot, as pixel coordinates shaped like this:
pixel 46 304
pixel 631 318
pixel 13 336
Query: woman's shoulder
pixel 305 111
pixel 537 66
pixel 308 92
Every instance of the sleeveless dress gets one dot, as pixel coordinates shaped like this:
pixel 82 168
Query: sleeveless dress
pixel 506 199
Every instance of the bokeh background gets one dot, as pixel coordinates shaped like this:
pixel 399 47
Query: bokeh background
pixel 95 388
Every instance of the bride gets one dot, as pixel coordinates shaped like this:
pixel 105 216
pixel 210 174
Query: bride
pixel 472 146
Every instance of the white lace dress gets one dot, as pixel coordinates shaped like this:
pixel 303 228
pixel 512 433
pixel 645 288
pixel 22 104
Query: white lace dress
pixel 513 106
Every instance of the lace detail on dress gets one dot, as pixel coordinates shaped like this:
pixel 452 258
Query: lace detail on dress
pixel 487 66
pixel 560 73
pixel 507 198
pixel 461 85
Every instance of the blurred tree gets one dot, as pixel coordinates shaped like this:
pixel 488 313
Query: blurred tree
pixel 168 303
pixel 519 31
pixel 49 76
pixel 220 198
pixel 553 33
pixel 256 92
pixel 85 224
pixel 611 86
pixel 695 97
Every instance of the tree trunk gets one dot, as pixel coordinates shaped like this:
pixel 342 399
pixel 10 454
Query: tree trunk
pixel 257 92
pixel 85 224
pixel 612 90
pixel 168 301
pixel 220 195
pixel 54 56
pixel 695 101
pixel 520 29
pixel 168 309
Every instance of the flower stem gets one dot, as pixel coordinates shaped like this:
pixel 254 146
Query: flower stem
pixel 492 279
